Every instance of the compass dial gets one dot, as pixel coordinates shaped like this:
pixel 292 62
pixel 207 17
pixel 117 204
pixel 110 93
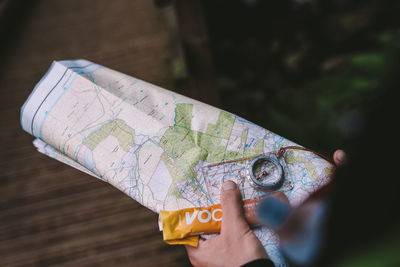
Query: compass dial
pixel 265 173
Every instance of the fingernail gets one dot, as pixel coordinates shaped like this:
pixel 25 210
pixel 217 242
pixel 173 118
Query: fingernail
pixel 228 185
pixel 273 212
pixel 341 156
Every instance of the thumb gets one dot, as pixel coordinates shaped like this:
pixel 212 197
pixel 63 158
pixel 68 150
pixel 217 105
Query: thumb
pixel 339 157
pixel 233 219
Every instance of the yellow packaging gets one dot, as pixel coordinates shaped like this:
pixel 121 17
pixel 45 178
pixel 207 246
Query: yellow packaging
pixel 184 226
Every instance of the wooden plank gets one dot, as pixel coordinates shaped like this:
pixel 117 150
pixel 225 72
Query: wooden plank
pixel 52 214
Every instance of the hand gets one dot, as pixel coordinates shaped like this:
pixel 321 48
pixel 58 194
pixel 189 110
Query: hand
pixel 301 233
pixel 299 216
pixel 237 244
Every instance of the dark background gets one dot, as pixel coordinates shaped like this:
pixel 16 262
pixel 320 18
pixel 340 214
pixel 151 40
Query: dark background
pixel 307 70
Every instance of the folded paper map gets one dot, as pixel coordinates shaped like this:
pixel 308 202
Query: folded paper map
pixel 164 150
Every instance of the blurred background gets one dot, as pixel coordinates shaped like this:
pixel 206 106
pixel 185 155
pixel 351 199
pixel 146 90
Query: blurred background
pixel 306 69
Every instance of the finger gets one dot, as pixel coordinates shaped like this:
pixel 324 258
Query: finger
pixel 201 242
pixel 196 253
pixel 193 253
pixel 233 220
pixel 339 157
pixel 273 212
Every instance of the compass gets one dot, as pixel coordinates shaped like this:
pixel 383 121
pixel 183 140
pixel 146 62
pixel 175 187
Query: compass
pixel 265 173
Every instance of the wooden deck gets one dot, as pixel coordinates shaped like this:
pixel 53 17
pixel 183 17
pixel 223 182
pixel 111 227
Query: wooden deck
pixel 52 214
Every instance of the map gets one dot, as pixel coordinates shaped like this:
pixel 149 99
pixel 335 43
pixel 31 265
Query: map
pixel 164 150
